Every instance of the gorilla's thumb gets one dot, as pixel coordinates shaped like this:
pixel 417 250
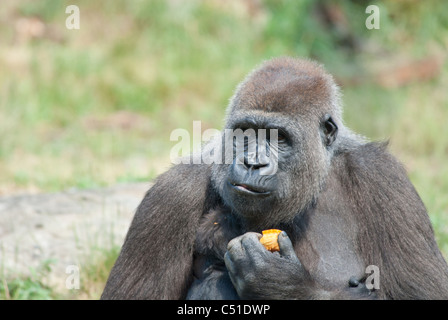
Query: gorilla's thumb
pixel 286 248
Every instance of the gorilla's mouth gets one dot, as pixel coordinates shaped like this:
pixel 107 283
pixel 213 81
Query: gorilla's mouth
pixel 247 189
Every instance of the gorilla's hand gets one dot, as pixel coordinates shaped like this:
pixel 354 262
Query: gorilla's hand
pixel 257 273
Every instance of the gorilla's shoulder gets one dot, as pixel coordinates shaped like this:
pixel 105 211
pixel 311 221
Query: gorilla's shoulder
pixel 373 156
pixel 371 168
pixel 183 185
pixel 185 175
pixel 183 188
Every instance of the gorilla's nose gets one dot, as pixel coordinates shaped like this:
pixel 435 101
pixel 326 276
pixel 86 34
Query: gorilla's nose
pixel 251 161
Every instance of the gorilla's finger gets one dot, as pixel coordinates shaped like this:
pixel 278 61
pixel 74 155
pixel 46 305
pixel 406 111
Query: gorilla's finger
pixel 252 246
pixel 234 245
pixel 232 269
pixel 250 240
pixel 229 263
pixel 286 247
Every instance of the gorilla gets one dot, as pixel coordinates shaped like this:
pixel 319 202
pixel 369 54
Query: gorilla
pixel 345 207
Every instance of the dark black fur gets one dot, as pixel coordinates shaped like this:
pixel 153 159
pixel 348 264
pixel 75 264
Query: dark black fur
pixel 188 240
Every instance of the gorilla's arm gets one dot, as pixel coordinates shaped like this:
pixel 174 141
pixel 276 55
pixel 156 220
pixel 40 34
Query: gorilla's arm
pixel 395 232
pixel 156 258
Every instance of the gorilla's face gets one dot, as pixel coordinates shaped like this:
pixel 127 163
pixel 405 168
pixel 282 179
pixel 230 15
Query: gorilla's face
pixel 277 167
pixel 301 102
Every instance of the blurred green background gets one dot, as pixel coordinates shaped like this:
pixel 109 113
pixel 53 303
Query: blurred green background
pixel 96 106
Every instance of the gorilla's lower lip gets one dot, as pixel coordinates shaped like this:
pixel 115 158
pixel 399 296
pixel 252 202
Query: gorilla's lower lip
pixel 247 189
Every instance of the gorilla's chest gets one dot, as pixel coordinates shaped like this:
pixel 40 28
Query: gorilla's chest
pixel 327 249
pixel 324 244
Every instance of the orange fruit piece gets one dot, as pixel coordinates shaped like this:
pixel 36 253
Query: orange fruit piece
pixel 270 239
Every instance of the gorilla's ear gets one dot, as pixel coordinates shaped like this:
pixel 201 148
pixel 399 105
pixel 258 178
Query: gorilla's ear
pixel 330 130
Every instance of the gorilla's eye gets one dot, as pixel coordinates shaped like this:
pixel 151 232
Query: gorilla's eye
pixel 281 137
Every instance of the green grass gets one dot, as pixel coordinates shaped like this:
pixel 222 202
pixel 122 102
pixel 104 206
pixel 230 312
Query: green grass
pixel 96 106
pixel 93 273
pixel 31 287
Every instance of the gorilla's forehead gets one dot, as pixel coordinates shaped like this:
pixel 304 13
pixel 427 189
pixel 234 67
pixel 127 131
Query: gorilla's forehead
pixel 286 85
pixel 261 119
